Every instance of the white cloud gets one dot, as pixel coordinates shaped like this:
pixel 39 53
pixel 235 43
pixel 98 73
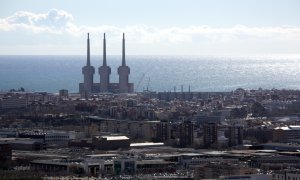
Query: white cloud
pixel 162 40
pixel 60 21
pixel 54 21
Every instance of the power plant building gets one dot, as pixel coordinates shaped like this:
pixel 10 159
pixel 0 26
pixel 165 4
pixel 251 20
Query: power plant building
pixel 105 86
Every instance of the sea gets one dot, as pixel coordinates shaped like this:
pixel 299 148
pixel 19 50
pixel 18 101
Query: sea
pixel 154 73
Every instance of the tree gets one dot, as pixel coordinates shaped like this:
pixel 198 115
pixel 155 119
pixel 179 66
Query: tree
pixel 258 110
pixel 21 89
pixel 244 111
pixel 238 113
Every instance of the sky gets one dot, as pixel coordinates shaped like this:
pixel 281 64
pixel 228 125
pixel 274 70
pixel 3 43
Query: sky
pixel 152 27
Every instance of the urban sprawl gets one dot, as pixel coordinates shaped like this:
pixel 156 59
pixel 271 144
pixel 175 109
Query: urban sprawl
pixel 109 132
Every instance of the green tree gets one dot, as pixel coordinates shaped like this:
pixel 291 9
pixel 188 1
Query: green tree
pixel 258 110
pixel 21 89
pixel 238 113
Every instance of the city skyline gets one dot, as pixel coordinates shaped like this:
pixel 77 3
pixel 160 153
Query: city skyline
pixel 152 28
pixel 135 89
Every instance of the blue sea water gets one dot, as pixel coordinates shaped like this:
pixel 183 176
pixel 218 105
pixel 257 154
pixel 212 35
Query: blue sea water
pixel 159 73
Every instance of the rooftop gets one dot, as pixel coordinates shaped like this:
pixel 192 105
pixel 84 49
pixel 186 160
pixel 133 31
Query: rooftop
pixel 288 128
pixel 146 144
pixel 102 155
pixel 113 138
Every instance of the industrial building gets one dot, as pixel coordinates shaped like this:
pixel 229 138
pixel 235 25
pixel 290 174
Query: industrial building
pixel 105 86
pixel 111 142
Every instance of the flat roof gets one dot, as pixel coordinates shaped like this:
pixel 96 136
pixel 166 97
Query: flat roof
pixel 18 140
pixel 289 145
pixel 288 128
pixel 102 155
pixel 52 162
pixel 154 161
pixel 112 138
pixel 41 155
pixel 191 154
pixel 146 144
pixel 215 153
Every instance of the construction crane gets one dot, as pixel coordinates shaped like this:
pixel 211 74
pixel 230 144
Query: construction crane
pixel 148 82
pixel 138 84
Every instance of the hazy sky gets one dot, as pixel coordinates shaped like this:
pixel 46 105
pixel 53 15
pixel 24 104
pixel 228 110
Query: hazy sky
pixel 153 27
